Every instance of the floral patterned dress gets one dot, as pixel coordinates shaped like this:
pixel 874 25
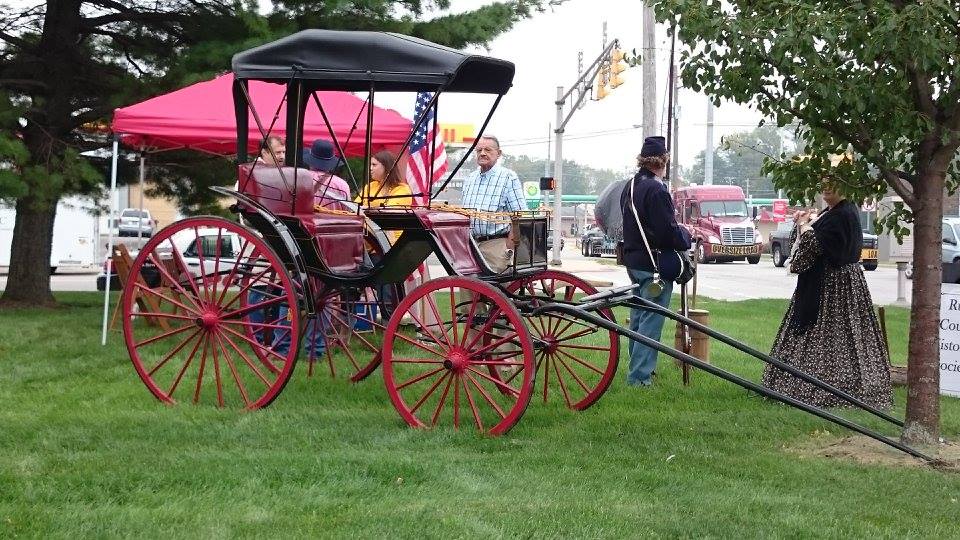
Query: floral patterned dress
pixel 843 347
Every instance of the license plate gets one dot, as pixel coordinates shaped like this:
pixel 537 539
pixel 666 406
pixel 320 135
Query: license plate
pixel 718 249
pixel 868 254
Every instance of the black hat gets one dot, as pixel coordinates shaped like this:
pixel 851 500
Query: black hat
pixel 653 146
pixel 321 156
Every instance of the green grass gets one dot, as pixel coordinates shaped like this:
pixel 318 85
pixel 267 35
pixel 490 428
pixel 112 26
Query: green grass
pixel 86 451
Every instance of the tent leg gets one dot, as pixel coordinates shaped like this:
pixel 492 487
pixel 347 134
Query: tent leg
pixel 113 212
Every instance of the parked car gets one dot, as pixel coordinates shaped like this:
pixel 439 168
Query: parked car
pixel 135 222
pixel 949 245
pixel 780 246
pixel 593 243
pixel 550 242
pixel 190 248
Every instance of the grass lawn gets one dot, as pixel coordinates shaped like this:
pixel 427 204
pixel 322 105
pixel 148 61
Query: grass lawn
pixel 85 450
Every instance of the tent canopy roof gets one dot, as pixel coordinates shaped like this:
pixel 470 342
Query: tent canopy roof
pixel 348 60
pixel 202 117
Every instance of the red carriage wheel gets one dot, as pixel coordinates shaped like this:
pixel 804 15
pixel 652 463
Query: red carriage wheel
pixel 354 322
pixel 574 359
pixel 214 316
pixel 439 375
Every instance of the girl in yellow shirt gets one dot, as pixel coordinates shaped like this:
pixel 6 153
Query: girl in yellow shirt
pixel 385 189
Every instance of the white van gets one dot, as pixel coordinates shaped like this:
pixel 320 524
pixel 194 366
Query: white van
pixel 75 233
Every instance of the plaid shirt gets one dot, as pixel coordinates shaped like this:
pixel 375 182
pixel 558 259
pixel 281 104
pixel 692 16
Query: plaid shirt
pixel 497 190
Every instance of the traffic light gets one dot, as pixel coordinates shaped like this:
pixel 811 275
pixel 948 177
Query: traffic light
pixel 547 183
pixel 602 80
pixel 617 66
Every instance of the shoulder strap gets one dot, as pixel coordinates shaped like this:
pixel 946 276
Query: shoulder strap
pixel 643 235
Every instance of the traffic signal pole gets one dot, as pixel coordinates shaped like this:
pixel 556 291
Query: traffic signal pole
pixel 597 68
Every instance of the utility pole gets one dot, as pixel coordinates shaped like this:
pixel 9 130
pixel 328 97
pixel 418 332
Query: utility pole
pixel 708 151
pixel 544 195
pixel 606 69
pixel 649 59
pixel 675 168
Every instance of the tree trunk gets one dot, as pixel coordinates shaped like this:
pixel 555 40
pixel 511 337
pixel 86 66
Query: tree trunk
pixel 29 279
pixel 922 424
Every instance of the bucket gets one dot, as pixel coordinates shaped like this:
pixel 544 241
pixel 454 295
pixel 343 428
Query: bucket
pixel 699 342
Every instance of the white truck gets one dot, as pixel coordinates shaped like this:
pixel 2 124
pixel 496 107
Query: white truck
pixel 75 235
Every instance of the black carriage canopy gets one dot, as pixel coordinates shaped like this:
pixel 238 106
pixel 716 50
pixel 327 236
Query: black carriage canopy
pixel 353 60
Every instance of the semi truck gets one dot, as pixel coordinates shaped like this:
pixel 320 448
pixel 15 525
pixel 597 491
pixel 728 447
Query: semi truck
pixel 719 223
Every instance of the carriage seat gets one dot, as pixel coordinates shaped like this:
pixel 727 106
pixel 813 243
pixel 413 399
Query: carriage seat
pixel 452 232
pixel 338 238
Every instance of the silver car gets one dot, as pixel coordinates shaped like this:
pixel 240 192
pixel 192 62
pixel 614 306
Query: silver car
pixel 949 245
pixel 134 222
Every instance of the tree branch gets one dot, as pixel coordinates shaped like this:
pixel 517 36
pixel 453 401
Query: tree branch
pixel 905 191
pixel 13 40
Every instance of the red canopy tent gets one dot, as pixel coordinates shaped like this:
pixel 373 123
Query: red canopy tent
pixel 201 117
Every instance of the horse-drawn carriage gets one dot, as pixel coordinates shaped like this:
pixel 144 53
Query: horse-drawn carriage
pixel 291 277
pixel 237 302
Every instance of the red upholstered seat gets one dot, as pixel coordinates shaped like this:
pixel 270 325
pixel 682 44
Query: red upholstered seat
pixel 452 231
pixel 338 237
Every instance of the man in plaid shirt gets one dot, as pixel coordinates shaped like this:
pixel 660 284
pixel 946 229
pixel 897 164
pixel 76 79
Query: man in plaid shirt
pixel 492 188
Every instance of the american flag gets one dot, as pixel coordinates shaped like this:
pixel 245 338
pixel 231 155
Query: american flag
pixel 418 168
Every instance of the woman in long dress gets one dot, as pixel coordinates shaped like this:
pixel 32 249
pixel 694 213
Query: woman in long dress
pixel 830 330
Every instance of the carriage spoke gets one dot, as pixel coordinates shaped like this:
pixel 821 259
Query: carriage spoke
pixel 253 307
pixel 148 290
pixel 269 365
pixel 584 347
pixel 443 399
pixel 245 358
pixel 416 361
pixel 585 332
pixel 178 258
pixel 233 272
pixel 468 322
pixel 186 364
pixel 164 335
pixel 473 405
pixel 546 375
pixel 155 260
pixel 574 375
pixel 503 386
pixel 419 378
pixel 174 351
pixel 453 316
pixel 486 396
pixel 429 393
pixel 204 281
pixel 203 364
pixel 492 316
pixel 216 375
pixel 563 386
pixel 440 324
pixel 233 370
pixel 216 264
pixel 250 284
pixel 581 362
pixel 456 402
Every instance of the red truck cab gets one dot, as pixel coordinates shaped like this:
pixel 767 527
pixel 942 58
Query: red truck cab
pixel 719 223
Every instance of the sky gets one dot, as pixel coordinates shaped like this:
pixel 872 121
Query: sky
pixel 544 49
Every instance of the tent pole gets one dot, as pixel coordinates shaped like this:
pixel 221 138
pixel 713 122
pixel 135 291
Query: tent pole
pixel 113 211
pixel 140 219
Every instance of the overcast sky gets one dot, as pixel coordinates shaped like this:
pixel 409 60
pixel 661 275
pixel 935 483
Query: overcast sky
pixel 544 50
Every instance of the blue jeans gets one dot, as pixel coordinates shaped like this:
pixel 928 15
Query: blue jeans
pixel 643 359
pixel 281 338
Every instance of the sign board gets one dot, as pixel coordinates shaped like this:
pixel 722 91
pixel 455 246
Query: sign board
pixel 950 340
pixel 779 210
pixel 531 189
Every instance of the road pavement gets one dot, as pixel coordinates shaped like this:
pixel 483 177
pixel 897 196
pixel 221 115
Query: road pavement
pixel 730 281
